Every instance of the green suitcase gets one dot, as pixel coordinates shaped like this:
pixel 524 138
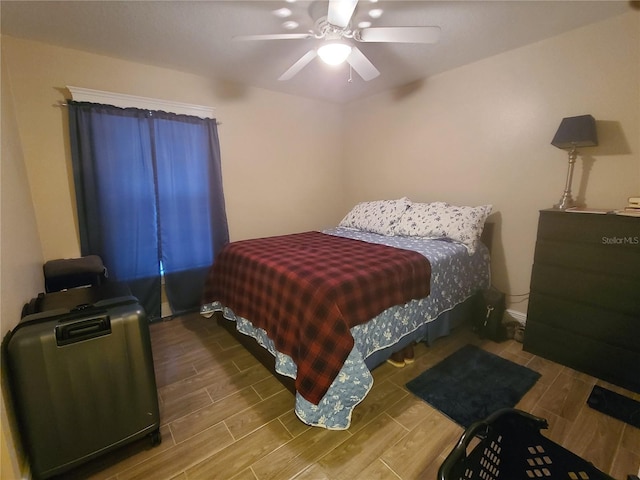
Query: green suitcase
pixel 82 381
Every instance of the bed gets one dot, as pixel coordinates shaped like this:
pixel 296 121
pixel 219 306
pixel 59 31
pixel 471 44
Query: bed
pixel 325 308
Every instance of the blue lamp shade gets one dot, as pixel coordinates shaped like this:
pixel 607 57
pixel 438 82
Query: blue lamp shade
pixel 576 132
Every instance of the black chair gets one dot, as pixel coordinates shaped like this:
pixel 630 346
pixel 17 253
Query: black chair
pixel 509 445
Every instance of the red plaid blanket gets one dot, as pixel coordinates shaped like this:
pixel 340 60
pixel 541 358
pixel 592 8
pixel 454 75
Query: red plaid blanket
pixel 306 290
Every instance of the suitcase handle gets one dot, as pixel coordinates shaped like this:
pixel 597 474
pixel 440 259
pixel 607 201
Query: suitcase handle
pixel 82 329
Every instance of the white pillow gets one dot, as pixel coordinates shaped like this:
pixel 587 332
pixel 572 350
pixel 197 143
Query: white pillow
pixel 378 216
pixel 441 220
pixel 464 224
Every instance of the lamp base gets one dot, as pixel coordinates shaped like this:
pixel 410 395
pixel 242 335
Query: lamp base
pixel 566 201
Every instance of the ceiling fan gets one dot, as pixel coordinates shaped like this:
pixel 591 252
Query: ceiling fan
pixel 336 32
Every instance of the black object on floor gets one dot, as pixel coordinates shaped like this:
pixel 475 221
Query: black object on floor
pixel 472 383
pixel 615 405
pixel 511 447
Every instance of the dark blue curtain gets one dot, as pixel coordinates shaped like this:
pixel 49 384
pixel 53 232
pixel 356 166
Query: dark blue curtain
pixel 193 223
pixel 149 190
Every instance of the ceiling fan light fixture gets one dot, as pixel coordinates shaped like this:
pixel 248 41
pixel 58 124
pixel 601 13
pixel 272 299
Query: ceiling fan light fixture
pixel 334 53
pixel 282 12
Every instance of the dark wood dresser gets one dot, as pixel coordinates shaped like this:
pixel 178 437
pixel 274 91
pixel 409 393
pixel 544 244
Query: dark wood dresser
pixel 584 307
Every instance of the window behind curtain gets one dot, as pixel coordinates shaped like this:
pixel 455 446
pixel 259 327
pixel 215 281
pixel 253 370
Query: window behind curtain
pixel 149 189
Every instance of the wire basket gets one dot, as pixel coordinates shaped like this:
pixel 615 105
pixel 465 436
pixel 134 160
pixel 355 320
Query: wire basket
pixel 509 445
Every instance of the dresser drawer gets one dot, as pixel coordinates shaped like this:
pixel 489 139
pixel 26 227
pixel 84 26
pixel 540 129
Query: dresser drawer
pixel 598 258
pixel 616 294
pixel 585 320
pixel 608 362
pixel 616 231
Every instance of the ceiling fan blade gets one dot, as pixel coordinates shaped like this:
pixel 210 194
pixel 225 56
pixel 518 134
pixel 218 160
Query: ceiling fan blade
pixel 362 65
pixel 400 34
pixel 299 65
pixel 340 12
pixel 274 36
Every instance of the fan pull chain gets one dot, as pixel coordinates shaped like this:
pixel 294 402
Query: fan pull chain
pixel 350 79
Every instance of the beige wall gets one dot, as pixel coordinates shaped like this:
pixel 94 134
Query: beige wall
pixel 20 259
pixel 281 154
pixel 480 134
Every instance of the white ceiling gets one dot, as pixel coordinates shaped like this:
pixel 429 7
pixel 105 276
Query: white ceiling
pixel 197 36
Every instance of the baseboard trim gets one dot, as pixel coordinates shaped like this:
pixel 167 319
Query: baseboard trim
pixel 517 316
pixel 165 310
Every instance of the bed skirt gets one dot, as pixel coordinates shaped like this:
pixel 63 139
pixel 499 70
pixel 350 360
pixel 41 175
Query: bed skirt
pixel 340 420
pixel 431 331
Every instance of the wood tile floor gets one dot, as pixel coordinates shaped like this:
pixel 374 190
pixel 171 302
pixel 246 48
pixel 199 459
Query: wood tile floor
pixel 225 417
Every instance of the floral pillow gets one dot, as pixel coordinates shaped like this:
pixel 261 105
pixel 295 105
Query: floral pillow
pixel 379 216
pixel 421 220
pixel 441 220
